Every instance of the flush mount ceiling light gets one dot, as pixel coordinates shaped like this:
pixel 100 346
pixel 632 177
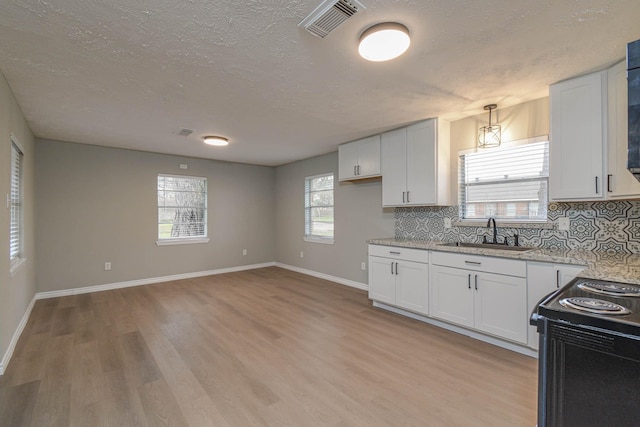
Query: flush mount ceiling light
pixel 218 141
pixel 489 136
pixel 384 41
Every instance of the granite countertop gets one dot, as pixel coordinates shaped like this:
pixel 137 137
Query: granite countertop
pixel 613 266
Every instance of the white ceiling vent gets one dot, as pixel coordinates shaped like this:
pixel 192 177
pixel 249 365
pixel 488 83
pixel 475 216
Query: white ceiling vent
pixel 331 13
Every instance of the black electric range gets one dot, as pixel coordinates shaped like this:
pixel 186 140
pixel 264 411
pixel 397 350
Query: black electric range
pixel 589 361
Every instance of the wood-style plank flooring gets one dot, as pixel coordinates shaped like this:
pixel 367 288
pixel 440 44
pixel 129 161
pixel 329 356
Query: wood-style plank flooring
pixel 266 347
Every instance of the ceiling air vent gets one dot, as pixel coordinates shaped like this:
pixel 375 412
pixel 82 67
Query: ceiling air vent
pixel 331 13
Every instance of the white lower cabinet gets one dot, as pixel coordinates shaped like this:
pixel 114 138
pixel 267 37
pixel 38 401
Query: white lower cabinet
pixel 468 291
pixel 399 277
pixel 542 279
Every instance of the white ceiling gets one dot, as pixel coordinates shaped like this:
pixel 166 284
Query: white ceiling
pixel 133 73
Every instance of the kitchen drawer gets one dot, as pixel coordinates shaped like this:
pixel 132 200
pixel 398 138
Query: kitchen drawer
pixel 394 252
pixel 510 267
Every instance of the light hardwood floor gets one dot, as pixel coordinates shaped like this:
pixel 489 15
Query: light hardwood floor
pixel 266 347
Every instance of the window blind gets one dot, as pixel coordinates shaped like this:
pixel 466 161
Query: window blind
pixel 508 183
pixel 319 207
pixel 182 207
pixel 16 198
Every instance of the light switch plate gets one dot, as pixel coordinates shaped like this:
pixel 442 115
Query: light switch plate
pixel 564 224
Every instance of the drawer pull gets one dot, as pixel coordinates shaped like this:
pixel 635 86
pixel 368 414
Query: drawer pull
pixel 394 252
pixel 473 262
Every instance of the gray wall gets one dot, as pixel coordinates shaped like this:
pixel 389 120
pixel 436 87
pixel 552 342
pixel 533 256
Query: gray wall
pixel 358 216
pixel 99 204
pixel 15 292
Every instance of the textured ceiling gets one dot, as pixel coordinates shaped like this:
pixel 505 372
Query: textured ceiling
pixel 132 74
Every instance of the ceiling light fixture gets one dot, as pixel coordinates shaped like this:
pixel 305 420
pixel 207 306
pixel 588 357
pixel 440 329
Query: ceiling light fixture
pixel 218 141
pixel 489 136
pixel 384 41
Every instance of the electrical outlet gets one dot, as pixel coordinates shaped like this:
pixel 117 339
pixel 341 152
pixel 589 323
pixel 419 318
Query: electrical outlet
pixel 107 266
pixel 447 223
pixel 244 252
pixel 564 224
pixel 183 166
pixel 301 254
pixel 363 266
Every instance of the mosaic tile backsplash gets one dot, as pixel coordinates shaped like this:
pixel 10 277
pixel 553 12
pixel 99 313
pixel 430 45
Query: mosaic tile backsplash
pixel 611 226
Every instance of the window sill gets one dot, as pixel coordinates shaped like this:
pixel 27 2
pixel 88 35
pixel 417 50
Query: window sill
pixel 318 240
pixel 183 241
pixel 547 225
pixel 16 265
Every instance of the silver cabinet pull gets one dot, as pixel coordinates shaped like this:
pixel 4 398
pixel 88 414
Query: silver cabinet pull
pixel 394 252
pixel 396 268
pixel 354 171
pixel 391 268
pixel 597 185
pixel 403 197
pixel 358 169
pixel 557 278
pixel 609 183
pixel 473 262
pixel 408 197
pixel 469 280
pixel 476 279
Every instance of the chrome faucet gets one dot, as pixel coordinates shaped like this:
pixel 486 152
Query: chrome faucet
pixel 495 229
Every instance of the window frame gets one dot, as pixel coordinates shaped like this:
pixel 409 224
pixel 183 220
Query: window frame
pixel 16 206
pixel 309 237
pixel 464 221
pixel 185 240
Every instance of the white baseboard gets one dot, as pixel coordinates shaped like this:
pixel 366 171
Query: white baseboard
pixel 149 281
pixel 346 282
pixel 453 328
pixel 16 336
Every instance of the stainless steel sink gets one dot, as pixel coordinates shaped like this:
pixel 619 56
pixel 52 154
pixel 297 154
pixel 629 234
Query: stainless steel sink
pixel 493 246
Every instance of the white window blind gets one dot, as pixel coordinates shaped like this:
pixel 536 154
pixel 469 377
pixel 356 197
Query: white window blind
pixel 509 183
pixel 182 207
pixel 16 231
pixel 318 207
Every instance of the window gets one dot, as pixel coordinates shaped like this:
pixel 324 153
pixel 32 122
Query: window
pixel 16 227
pixel 182 209
pixel 318 208
pixel 507 183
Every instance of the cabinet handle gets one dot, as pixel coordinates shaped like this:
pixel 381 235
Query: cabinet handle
pixel 358 169
pixel 557 278
pixel 408 197
pixel 354 171
pixel 609 183
pixel 403 197
pixel 476 280
pixel 469 281
pixel 391 268
pixel 396 268
pixel 597 185
pixel 394 252
pixel 473 262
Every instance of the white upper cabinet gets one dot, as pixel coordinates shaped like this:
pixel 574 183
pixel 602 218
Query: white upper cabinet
pixel 620 183
pixel 576 146
pixel 588 144
pixel 359 159
pixel 415 165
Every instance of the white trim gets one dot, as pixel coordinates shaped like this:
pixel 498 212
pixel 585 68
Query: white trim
pixel 15 140
pixel 312 239
pixel 15 266
pixel 340 280
pixel 149 281
pixel 463 331
pixel 16 336
pixel 182 241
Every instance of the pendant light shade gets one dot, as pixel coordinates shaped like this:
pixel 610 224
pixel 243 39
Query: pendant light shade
pixel 489 136
pixel 384 41
pixel 218 141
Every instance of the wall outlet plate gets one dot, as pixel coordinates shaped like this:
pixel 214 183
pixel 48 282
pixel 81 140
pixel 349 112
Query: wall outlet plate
pixel 107 266
pixel 564 224
pixel 363 266
pixel 244 252
pixel 447 223
pixel 301 254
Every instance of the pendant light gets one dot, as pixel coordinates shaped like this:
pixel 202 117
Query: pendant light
pixel 384 41
pixel 218 141
pixel 489 136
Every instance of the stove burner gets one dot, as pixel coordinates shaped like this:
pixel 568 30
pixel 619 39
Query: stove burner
pixel 608 288
pixel 593 305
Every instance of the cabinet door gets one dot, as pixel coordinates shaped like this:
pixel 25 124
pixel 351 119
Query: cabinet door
pixel 394 167
pixel 347 161
pixel 500 306
pixel 576 142
pixel 382 280
pixel 451 295
pixel 369 156
pixel 620 182
pixel 421 163
pixel 411 286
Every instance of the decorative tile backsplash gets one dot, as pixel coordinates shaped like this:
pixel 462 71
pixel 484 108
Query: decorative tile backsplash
pixel 612 226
